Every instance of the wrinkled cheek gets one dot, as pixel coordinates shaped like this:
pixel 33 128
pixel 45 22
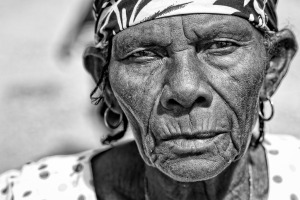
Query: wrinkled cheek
pixel 225 148
pixel 247 112
pixel 252 99
pixel 130 91
pixel 243 124
pixel 136 95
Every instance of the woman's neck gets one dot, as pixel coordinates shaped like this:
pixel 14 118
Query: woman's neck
pixel 120 173
pixel 232 183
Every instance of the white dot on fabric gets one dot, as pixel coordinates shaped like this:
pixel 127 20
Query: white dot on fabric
pixel 62 187
pixel 294 197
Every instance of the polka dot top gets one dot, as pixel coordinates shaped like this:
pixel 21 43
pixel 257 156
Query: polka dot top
pixel 70 177
pixel 283 157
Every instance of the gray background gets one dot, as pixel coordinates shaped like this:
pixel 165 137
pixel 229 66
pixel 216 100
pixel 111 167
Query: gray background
pixel 44 100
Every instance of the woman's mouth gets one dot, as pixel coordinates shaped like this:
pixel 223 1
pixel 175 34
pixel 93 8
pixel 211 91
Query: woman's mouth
pixel 195 143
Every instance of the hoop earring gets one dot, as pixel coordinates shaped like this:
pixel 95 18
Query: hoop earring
pixel 261 120
pixel 261 110
pixel 109 113
pixel 109 139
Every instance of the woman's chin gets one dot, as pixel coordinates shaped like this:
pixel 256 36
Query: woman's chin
pixel 193 168
pixel 191 160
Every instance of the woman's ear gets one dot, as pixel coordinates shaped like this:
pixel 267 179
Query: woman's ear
pixel 111 100
pixel 95 61
pixel 282 50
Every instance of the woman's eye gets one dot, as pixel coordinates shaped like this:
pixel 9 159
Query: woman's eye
pixel 144 56
pixel 222 44
pixel 220 48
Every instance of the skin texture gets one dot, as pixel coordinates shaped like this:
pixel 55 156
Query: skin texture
pixel 120 173
pixel 189 86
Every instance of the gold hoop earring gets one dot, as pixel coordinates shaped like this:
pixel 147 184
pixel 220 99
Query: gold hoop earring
pixel 108 115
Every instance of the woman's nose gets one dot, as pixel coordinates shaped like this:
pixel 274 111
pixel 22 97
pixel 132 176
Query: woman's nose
pixel 186 85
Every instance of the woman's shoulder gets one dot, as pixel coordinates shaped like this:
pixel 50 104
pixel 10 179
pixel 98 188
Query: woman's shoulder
pixel 272 140
pixel 54 177
pixel 121 167
pixel 283 157
pixel 66 176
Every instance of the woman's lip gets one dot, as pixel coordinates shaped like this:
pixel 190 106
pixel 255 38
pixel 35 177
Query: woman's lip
pixel 193 136
pixel 183 146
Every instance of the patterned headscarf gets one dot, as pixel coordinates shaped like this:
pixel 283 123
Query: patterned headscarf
pixel 113 16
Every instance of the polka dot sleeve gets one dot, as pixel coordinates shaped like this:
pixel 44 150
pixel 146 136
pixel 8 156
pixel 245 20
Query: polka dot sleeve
pixel 283 156
pixel 6 184
pixel 70 177
pixel 52 178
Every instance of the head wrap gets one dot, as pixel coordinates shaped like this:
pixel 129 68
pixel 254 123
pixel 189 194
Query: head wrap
pixel 113 16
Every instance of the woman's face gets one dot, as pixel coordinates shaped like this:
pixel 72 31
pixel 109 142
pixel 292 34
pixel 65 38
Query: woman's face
pixel 189 86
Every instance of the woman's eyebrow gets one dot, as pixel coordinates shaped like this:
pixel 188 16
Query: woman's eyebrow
pixel 224 30
pixel 139 38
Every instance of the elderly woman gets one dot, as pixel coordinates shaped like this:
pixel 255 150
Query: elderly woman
pixel 190 78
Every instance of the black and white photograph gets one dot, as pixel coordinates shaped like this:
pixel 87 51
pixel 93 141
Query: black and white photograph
pixel 149 100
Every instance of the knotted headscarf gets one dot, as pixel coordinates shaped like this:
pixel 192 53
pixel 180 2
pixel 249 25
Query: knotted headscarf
pixel 114 16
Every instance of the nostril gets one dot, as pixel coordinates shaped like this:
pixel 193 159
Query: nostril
pixel 178 98
pixel 187 103
pixel 200 100
pixel 172 102
pixel 203 101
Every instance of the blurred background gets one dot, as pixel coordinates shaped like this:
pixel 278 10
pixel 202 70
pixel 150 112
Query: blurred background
pixel 44 90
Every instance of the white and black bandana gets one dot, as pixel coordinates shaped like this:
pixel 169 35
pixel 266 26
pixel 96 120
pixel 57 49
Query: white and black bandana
pixel 113 16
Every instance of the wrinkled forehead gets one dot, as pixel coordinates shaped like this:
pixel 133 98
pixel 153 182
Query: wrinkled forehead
pixel 191 28
pixel 114 16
